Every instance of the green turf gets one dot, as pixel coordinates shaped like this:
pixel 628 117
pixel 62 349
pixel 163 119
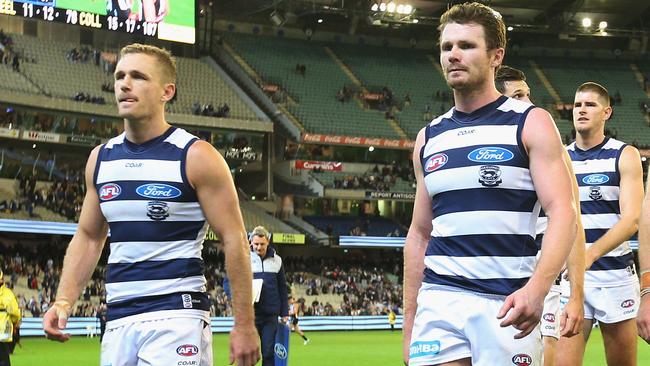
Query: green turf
pixel 376 348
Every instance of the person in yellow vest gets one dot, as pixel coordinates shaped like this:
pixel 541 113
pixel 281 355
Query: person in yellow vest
pixel 9 319
pixel 391 319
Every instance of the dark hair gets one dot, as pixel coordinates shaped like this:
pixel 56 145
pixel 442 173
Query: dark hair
pixel 491 20
pixel 507 73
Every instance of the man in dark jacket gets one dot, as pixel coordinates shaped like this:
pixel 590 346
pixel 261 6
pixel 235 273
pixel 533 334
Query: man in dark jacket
pixel 267 266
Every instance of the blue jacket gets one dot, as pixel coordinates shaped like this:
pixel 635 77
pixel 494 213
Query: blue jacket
pixel 273 299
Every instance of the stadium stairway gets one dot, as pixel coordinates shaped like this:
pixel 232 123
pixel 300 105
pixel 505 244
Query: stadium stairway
pixel 252 73
pixel 545 81
pixel 638 75
pixel 350 74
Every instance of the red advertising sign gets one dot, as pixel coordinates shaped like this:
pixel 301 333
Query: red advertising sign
pixel 330 166
pixel 360 141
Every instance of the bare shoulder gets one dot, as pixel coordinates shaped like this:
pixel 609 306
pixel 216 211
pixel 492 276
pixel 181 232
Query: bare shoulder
pixel 539 127
pixel 204 164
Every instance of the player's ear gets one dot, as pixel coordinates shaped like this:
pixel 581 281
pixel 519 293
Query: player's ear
pixel 168 92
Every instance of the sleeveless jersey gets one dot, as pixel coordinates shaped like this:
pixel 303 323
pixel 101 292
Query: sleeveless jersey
pixel 598 178
pixel 156 228
pixel 484 204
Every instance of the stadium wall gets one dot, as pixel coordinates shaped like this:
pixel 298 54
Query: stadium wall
pixel 33 327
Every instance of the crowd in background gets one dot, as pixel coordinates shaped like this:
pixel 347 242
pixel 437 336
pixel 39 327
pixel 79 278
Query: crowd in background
pixel 355 287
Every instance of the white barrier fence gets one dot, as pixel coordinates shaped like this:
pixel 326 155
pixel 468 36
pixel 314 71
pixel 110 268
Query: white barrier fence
pixel 90 326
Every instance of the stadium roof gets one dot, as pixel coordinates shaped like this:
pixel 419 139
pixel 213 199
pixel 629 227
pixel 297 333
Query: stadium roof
pixel 626 18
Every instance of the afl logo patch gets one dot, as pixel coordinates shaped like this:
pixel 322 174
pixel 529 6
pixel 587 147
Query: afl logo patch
pixel 549 317
pixel 595 179
pixel 522 359
pixel 627 303
pixel 109 191
pixel 489 175
pixel 187 350
pixel 490 154
pixel 435 162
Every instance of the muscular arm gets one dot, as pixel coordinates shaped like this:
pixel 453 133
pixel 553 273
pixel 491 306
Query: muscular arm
pixel 643 317
pixel 81 257
pixel 415 247
pixel 631 196
pixel 553 186
pixel 208 173
pixel 573 315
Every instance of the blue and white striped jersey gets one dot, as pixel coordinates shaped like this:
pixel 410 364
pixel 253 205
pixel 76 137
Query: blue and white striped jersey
pixel 156 225
pixel 598 178
pixel 484 204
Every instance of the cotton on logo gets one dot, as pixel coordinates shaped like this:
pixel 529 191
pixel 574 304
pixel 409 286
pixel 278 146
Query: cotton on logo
pixel 109 191
pixel 435 162
pixel 522 359
pixel 187 350
pixel 627 303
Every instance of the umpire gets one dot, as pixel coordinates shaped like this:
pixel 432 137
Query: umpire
pixel 267 266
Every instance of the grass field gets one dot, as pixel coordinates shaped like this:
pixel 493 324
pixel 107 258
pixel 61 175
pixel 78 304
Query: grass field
pixel 370 348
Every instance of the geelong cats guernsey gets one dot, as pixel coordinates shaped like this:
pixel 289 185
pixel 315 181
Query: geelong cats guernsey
pixel 484 204
pixel 598 178
pixel 155 268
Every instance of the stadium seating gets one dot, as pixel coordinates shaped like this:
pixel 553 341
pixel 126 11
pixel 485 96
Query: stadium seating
pixel 342 225
pixel 616 76
pixel 275 59
pixel 403 71
pixel 46 64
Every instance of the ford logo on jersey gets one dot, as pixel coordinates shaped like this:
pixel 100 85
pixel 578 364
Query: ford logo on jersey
pixel 595 179
pixel 158 191
pixel 490 154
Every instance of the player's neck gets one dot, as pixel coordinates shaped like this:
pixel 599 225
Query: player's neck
pixel 586 140
pixel 470 99
pixel 142 130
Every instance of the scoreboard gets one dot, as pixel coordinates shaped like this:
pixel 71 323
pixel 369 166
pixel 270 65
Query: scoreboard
pixel 171 20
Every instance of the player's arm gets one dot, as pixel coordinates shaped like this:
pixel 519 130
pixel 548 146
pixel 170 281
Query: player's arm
pixel 553 186
pixel 573 315
pixel 643 317
pixel 81 257
pixel 630 199
pixel 209 174
pixel 415 247
pixel 283 292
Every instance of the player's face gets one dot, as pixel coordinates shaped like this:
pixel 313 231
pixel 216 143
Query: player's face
pixel 260 244
pixel 464 57
pixel 517 89
pixel 589 111
pixel 139 89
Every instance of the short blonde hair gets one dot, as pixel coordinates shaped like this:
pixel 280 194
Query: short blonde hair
pixel 261 232
pixel 164 57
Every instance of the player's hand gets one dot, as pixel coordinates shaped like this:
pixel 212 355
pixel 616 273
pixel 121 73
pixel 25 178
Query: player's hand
pixel 244 346
pixel 523 309
pixel 55 320
pixel 643 319
pixel 406 341
pixel 285 319
pixel 572 317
